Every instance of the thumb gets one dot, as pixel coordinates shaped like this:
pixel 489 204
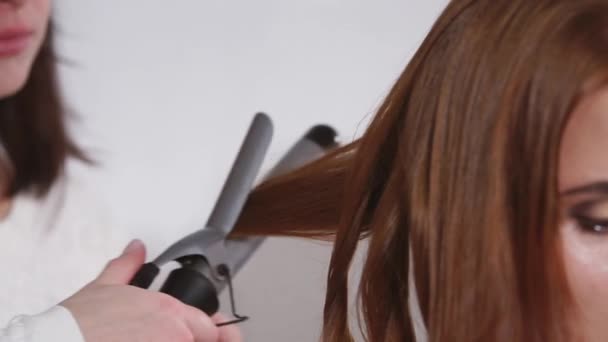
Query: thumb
pixel 121 270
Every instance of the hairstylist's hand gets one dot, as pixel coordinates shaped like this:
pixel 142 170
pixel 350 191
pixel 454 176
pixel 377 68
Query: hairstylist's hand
pixel 108 309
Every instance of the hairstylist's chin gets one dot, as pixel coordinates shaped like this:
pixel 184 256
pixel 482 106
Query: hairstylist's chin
pixel 15 72
pixel 18 50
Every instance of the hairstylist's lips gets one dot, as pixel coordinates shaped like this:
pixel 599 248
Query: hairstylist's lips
pixel 14 40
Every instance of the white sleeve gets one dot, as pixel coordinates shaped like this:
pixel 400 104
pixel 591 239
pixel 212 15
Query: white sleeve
pixel 55 324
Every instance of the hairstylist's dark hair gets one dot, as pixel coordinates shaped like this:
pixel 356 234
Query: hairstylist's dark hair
pixel 33 130
pixel 460 164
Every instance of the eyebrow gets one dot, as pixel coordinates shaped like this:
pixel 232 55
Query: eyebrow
pixel 597 188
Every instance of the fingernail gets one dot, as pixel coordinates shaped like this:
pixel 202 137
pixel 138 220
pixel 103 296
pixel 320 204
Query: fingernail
pixel 133 246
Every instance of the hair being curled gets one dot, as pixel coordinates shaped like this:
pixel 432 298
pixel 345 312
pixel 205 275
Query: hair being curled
pixel 460 164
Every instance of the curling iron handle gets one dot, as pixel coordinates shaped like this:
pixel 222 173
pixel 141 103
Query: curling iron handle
pixel 145 276
pixel 185 284
pixel 192 288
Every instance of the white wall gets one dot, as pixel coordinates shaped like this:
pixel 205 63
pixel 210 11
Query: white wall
pixel 166 90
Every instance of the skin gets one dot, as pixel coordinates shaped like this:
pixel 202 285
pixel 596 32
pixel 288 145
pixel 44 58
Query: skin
pixel 583 184
pixel 33 15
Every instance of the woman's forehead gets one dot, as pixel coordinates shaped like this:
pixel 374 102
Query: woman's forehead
pixel 584 144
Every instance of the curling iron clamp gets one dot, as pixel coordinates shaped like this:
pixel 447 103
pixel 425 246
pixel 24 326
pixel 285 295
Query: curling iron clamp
pixel 208 259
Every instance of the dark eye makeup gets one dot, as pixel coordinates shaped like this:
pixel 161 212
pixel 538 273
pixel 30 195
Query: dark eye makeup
pixel 587 220
pixel 592 225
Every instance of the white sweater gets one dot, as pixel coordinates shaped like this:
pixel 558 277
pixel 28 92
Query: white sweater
pixel 49 249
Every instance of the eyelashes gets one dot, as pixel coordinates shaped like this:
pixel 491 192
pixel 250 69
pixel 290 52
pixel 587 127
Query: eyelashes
pixel 591 225
pixel 591 216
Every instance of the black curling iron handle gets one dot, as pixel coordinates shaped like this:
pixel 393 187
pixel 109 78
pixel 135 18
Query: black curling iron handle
pixel 145 276
pixel 192 288
pixel 185 284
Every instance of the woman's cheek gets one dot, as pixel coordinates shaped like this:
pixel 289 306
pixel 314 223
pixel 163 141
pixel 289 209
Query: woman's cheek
pixel 586 262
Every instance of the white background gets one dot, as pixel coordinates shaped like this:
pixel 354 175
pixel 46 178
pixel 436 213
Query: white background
pixel 165 91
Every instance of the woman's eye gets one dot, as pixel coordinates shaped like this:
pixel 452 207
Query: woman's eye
pixel 592 225
pixel 591 216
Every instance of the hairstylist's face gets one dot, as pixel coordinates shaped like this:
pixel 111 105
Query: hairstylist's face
pixel 583 182
pixel 23 26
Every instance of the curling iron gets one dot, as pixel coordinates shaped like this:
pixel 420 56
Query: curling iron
pixel 209 260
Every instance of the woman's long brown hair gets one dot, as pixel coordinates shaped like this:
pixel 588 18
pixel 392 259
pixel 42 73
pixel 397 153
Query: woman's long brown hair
pixel 460 163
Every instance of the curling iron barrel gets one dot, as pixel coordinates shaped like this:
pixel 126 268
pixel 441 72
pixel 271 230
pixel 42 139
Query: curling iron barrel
pixel 208 259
